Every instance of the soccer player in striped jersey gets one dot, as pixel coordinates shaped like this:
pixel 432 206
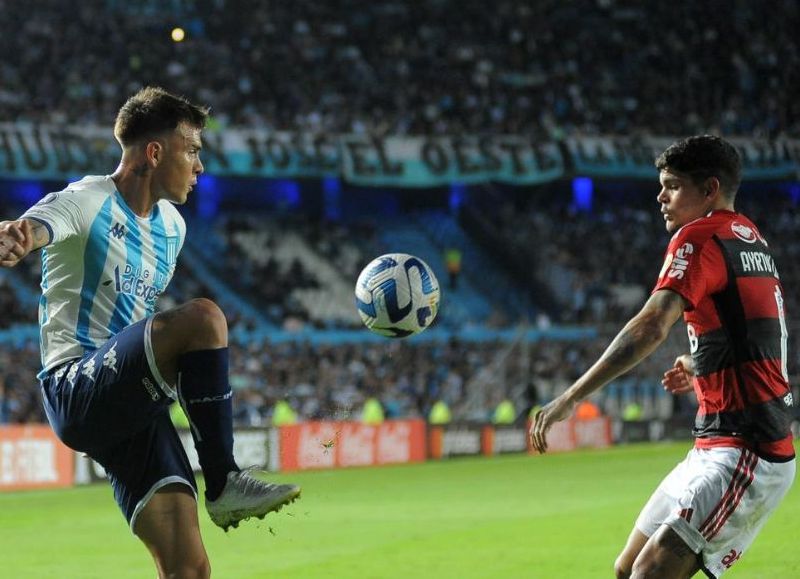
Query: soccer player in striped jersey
pixel 720 276
pixel 111 364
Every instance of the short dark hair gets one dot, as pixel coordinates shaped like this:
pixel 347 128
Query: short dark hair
pixel 153 111
pixel 705 156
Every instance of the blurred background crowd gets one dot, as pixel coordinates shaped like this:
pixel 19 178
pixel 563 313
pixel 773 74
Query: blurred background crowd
pixel 516 264
pixel 441 66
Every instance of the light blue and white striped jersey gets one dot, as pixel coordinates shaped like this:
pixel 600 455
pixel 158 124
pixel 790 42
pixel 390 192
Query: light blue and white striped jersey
pixel 104 267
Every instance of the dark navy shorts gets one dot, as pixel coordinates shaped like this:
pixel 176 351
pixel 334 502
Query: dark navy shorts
pixel 113 405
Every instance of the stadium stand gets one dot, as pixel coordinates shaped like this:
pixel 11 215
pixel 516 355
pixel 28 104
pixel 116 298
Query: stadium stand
pixel 394 69
pixel 391 68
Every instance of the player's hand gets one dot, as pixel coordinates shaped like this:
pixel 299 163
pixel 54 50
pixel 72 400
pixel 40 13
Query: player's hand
pixel 558 410
pixel 16 241
pixel 678 379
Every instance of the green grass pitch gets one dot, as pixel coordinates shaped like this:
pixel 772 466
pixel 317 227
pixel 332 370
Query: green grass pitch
pixel 564 515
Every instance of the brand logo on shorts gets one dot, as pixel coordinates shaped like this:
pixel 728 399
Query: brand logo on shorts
pixel 73 372
pixel 88 369
pixel 731 558
pixel 788 399
pixel 110 358
pixel 151 388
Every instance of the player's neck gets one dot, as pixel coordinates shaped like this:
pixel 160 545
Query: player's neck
pixel 135 188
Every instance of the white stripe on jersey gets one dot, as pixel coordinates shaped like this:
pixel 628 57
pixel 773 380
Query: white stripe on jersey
pixel 104 268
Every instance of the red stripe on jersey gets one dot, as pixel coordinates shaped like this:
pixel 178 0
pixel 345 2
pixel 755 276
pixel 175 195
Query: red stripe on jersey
pixel 758 296
pixel 717 394
pixel 765 380
pixel 780 450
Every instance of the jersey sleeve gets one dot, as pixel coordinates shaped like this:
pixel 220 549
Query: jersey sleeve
pixel 693 267
pixel 60 213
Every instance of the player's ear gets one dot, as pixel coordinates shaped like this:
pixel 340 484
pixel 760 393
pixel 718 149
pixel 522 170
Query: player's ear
pixel 711 187
pixel 154 151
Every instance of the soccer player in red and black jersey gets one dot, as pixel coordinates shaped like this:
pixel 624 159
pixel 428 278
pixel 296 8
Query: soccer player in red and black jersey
pixel 720 275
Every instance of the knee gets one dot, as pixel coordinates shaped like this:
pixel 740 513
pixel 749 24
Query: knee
pixel 199 569
pixel 644 570
pixel 207 324
pixel 622 569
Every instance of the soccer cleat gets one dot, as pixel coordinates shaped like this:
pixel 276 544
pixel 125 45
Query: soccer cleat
pixel 245 496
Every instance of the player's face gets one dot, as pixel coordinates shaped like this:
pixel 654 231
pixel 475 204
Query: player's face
pixel 681 200
pixel 177 173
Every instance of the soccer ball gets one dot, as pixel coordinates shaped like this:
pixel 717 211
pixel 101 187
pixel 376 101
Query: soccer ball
pixel 397 295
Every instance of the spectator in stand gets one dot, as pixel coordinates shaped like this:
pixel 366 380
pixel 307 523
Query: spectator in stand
pixel 389 67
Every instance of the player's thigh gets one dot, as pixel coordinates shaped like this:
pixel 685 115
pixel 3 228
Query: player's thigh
pixel 666 556
pixel 106 396
pixel 169 528
pixel 143 464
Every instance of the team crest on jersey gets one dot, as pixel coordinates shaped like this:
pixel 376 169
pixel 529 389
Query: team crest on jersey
pixel 743 232
pixel 117 231
pixel 172 249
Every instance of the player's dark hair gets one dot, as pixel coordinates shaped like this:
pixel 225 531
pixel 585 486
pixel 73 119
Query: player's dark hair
pixel 702 157
pixel 153 111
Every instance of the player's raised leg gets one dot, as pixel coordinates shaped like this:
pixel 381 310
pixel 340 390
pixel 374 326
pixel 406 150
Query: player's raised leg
pixel 190 349
pixel 169 528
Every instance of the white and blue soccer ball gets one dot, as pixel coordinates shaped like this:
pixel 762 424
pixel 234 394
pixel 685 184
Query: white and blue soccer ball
pixel 397 295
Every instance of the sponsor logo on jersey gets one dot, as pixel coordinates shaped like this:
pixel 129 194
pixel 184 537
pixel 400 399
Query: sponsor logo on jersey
pixel 680 261
pixel 117 231
pixel 743 232
pixel 151 388
pixel 138 283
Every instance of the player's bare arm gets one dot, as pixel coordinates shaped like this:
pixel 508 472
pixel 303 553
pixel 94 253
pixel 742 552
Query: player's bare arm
pixel 19 238
pixel 678 379
pixel 637 340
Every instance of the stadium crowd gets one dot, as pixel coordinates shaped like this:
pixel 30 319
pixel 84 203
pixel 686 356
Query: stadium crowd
pixel 333 381
pixel 601 264
pixel 549 68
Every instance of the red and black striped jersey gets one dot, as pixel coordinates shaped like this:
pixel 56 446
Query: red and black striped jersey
pixel 736 322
